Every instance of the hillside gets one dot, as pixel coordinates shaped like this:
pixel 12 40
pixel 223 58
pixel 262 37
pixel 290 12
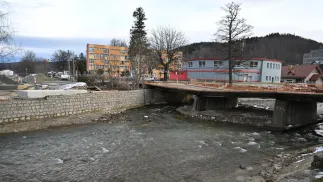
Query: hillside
pixel 286 47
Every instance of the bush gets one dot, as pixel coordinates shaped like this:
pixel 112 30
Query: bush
pixel 83 79
pixel 100 71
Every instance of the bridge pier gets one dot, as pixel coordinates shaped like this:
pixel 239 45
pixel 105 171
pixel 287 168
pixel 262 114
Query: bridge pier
pixel 212 103
pixel 295 113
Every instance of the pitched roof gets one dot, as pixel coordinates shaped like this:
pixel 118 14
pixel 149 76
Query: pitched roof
pixel 298 71
pixel 315 77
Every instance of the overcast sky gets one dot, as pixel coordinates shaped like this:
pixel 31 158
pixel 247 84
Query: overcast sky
pixel 47 25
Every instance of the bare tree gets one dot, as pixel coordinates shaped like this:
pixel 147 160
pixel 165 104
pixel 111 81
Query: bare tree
pixel 7 44
pixel 118 42
pixel 166 41
pixel 28 61
pixel 232 29
pixel 63 58
pixel 151 62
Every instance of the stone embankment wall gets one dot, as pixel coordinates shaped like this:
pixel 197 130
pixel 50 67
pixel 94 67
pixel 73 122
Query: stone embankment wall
pixel 17 110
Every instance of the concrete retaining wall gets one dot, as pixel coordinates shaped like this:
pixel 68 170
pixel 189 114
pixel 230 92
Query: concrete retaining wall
pixel 54 106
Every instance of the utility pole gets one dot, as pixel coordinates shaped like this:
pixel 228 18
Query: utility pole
pixel 69 66
pixel 73 71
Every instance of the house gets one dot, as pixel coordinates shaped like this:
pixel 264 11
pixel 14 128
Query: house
pixel 302 74
pixel 252 70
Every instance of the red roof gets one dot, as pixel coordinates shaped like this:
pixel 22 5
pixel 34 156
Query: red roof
pixel 315 77
pixel 299 71
pixel 260 59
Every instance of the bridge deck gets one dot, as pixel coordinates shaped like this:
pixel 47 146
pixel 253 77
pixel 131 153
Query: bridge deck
pixel 296 93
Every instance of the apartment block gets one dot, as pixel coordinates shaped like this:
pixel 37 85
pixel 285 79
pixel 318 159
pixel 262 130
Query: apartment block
pixel 113 60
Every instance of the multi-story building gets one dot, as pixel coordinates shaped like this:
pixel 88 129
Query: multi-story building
pixel 254 70
pixel 113 60
pixel 313 57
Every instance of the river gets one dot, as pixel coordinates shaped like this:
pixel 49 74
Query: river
pixel 155 144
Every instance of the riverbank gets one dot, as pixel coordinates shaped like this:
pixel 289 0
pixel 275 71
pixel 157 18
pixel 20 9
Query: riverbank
pixel 50 123
pixel 243 114
pixel 250 111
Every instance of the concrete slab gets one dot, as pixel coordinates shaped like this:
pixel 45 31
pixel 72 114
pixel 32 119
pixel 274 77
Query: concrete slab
pixel 44 93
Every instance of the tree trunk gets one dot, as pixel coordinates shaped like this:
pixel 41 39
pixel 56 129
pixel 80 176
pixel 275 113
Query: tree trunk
pixel 230 60
pixel 165 73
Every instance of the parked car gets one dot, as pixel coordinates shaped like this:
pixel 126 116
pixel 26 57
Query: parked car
pixel 147 77
pixel 65 77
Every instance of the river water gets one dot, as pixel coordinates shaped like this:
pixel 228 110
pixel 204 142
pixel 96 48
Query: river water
pixel 158 144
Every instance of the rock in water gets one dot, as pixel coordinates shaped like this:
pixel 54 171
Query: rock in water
pixel 318 160
pixel 242 167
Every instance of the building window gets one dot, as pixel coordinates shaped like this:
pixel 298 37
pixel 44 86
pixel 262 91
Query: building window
pixel 253 64
pixel 105 50
pixel 271 65
pixel 266 78
pixel 190 64
pixel 201 64
pixel 92 49
pixel 123 51
pixel 91 60
pixel 267 65
pixel 103 56
pixel 122 63
pixel 269 78
pixel 95 56
pixel 217 63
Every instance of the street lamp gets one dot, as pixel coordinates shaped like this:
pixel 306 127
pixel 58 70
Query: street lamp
pixel 26 71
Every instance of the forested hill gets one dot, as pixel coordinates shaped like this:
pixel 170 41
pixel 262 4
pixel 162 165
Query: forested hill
pixel 286 47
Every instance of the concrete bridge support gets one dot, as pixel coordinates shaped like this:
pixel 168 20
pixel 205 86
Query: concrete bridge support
pixel 212 103
pixel 295 113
